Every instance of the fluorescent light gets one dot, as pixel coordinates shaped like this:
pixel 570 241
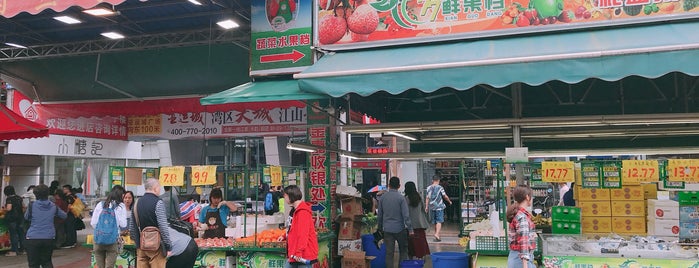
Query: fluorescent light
pixel 113 35
pixel 405 136
pixel 228 24
pixel 15 45
pixel 195 2
pixel 99 12
pixel 301 147
pixel 67 19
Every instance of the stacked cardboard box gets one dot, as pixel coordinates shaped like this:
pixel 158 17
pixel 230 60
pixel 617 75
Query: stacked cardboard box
pixel 350 223
pixel 689 216
pixel 356 259
pixel 664 218
pixel 595 206
pixel 565 220
pixel 628 210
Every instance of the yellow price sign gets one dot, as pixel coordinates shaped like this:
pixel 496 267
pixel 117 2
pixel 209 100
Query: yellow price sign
pixel 171 176
pixel 275 173
pixel 558 171
pixel 686 170
pixel 203 175
pixel 639 171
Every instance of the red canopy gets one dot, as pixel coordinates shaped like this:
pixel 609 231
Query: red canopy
pixel 14 126
pixel 10 8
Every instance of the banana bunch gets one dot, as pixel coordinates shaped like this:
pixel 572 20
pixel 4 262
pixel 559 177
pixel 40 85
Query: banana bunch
pixel 538 220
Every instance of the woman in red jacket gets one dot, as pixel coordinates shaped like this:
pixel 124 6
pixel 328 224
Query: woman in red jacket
pixel 302 240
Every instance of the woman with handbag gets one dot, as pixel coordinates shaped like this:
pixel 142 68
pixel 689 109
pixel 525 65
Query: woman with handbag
pixel 108 218
pixel 417 243
pixel 40 237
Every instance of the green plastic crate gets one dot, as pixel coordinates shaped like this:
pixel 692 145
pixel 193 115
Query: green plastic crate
pixel 565 214
pixel 491 243
pixel 688 198
pixel 566 228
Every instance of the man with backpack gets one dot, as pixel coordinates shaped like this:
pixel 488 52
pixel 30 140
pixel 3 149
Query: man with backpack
pixel 435 199
pixel 272 201
pixel 108 218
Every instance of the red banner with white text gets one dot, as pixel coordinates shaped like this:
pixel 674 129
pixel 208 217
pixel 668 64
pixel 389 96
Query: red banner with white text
pixel 10 8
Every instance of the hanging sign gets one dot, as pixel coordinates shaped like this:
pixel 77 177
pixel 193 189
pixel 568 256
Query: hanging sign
pixel 611 174
pixel 203 175
pixel 686 170
pixel 640 171
pixel 171 176
pixel 558 171
pixel 590 175
pixel 275 172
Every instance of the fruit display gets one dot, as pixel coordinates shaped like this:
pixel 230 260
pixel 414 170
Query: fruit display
pixel 214 242
pixel 266 238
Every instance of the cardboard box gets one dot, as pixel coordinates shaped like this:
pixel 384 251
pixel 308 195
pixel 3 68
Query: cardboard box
pixel 352 245
pixel 689 214
pixel 650 190
pixel 349 230
pixel 595 208
pixel 663 209
pixel 356 259
pixel 629 225
pixel 351 208
pixel 663 227
pixel 565 214
pixel 689 231
pixel 627 193
pixel 592 194
pixel 593 225
pixel 629 208
pixel 565 228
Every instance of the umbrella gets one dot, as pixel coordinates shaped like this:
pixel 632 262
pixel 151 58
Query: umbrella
pixel 377 188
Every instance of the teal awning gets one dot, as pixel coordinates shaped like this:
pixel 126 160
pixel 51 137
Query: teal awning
pixel 609 54
pixel 262 91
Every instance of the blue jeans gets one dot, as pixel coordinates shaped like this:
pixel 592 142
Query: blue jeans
pixel 513 260
pixel 16 236
pixel 297 265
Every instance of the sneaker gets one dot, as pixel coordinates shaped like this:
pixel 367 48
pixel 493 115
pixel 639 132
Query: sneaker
pixel 11 254
pixel 68 246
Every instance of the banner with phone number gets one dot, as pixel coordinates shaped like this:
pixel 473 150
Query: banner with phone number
pixel 364 23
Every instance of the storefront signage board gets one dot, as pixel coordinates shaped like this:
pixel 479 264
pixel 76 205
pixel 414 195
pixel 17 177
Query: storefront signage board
pixel 80 147
pixel 392 22
pixel 281 36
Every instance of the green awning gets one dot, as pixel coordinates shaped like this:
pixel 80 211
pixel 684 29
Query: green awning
pixel 609 54
pixel 262 91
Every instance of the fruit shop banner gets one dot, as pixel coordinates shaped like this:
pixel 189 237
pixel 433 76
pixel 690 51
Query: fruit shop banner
pixel 162 119
pixel 281 36
pixel 10 8
pixel 597 262
pixel 344 24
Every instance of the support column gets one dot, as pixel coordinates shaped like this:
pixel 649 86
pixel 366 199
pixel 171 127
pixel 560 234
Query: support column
pixel 516 130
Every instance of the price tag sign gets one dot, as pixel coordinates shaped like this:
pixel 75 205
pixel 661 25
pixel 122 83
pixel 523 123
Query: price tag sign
pixel 686 170
pixel 171 176
pixel 558 171
pixel 203 175
pixel 275 172
pixel 611 174
pixel 640 171
pixel 590 173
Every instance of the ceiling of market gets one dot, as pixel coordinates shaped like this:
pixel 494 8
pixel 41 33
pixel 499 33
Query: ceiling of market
pixel 176 48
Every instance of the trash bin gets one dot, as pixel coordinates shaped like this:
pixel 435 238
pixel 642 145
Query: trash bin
pixel 450 260
pixel 412 264
pixel 371 250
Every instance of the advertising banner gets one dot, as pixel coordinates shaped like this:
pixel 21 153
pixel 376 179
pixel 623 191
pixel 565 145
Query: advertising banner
pixel 368 23
pixel 80 147
pixel 163 119
pixel 281 36
pixel 10 8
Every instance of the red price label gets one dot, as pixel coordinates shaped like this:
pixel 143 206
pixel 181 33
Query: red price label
pixel 171 176
pixel 557 171
pixel 686 170
pixel 640 171
pixel 203 175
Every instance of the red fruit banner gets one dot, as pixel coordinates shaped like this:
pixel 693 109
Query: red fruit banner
pixel 10 8
pixel 349 24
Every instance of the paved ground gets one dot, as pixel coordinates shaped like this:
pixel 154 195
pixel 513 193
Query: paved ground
pixel 79 257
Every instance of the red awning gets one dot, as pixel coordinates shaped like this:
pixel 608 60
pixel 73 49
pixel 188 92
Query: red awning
pixel 10 8
pixel 14 126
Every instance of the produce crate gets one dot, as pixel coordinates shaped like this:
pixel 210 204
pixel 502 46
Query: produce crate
pixel 274 244
pixel 246 244
pixel 566 228
pixel 490 243
pixel 565 214
pixel 688 198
